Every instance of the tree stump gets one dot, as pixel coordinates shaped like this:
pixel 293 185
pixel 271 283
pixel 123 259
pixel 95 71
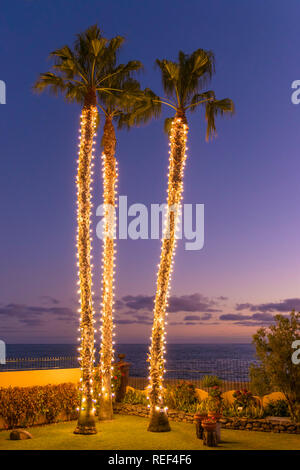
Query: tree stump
pixel 210 438
pixel 124 369
pixel 218 431
pixel 199 430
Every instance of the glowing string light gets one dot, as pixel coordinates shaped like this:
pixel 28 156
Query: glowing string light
pixel 110 178
pixel 177 157
pixel 86 420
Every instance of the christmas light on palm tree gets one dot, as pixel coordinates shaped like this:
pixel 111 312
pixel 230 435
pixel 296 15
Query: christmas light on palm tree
pixel 79 74
pixel 182 82
pixel 127 106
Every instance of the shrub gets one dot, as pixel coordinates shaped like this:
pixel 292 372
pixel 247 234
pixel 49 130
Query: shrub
pixel 277 408
pixel 181 396
pixel 273 351
pixel 115 381
pixel 252 411
pixel 135 397
pixel 26 406
pixel 243 398
pixel 211 381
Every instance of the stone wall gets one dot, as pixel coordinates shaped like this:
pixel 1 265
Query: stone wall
pixel 276 425
pixel 263 425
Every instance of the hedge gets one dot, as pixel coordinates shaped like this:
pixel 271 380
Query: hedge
pixel 27 406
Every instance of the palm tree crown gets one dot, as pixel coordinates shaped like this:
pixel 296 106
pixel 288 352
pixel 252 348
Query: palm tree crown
pixel 86 70
pixel 184 83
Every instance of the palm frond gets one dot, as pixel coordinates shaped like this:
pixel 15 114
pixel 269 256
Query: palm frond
pixel 170 75
pixel 49 80
pixel 200 99
pixel 144 105
pixel 213 109
pixel 167 125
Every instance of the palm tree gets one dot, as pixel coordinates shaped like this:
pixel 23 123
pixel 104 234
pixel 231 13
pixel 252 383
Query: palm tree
pixel 79 74
pixel 128 107
pixel 183 84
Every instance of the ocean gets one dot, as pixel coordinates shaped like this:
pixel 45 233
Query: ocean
pixel 186 361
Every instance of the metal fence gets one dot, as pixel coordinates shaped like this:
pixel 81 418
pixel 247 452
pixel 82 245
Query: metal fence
pixel 36 363
pixel 233 372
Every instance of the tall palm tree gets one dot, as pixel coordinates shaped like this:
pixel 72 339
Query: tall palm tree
pixel 79 74
pixel 183 84
pixel 128 107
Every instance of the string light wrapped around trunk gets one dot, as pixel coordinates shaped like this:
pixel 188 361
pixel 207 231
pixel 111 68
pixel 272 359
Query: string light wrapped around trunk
pixel 158 412
pixel 86 421
pixel 110 178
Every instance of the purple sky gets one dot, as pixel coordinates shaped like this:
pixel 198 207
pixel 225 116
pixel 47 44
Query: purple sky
pixel 248 178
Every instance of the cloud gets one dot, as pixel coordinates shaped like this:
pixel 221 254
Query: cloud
pixel 257 319
pixel 48 299
pixel 185 303
pixel 138 302
pixel 133 321
pixel 26 312
pixel 206 316
pixel 31 322
pixel 234 317
pixel 286 305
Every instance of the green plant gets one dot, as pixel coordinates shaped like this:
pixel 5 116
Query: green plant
pixel 211 381
pixel 181 396
pixel 259 381
pixel 135 397
pixel 274 352
pixel 202 407
pixel 243 398
pixel 277 408
pixel 26 406
pixel 229 411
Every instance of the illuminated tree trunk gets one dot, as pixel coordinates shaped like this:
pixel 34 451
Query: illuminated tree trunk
pixel 109 192
pixel 86 421
pixel 158 413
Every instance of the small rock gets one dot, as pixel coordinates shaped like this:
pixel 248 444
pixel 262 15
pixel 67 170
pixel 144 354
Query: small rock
pixel 19 435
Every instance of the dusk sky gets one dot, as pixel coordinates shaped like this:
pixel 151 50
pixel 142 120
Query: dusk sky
pixel 247 178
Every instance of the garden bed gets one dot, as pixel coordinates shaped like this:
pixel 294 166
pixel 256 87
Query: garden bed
pixel 275 425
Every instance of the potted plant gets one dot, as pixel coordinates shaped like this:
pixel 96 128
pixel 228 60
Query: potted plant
pixel 209 424
pixel 210 437
pixel 199 416
pixel 215 402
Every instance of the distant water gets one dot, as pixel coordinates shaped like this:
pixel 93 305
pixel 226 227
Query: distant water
pixel 136 353
pixel 228 361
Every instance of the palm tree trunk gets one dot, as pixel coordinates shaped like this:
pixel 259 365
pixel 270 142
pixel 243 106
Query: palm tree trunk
pixel 86 421
pixel 158 413
pixel 109 192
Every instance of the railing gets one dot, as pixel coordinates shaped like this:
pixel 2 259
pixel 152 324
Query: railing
pixel 36 363
pixel 233 372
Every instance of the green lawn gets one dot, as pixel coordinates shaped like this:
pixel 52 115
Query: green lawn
pixel 129 432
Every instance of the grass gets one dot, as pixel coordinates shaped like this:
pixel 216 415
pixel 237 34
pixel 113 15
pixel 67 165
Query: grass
pixel 130 433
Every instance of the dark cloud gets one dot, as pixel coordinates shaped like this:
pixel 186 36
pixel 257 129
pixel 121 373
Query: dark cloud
pixel 251 323
pixel 48 299
pixel 133 321
pixel 234 317
pixel 257 319
pixel 27 312
pixel 184 303
pixel 206 316
pixel 142 317
pixel 138 302
pixel 286 305
pixel 31 322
